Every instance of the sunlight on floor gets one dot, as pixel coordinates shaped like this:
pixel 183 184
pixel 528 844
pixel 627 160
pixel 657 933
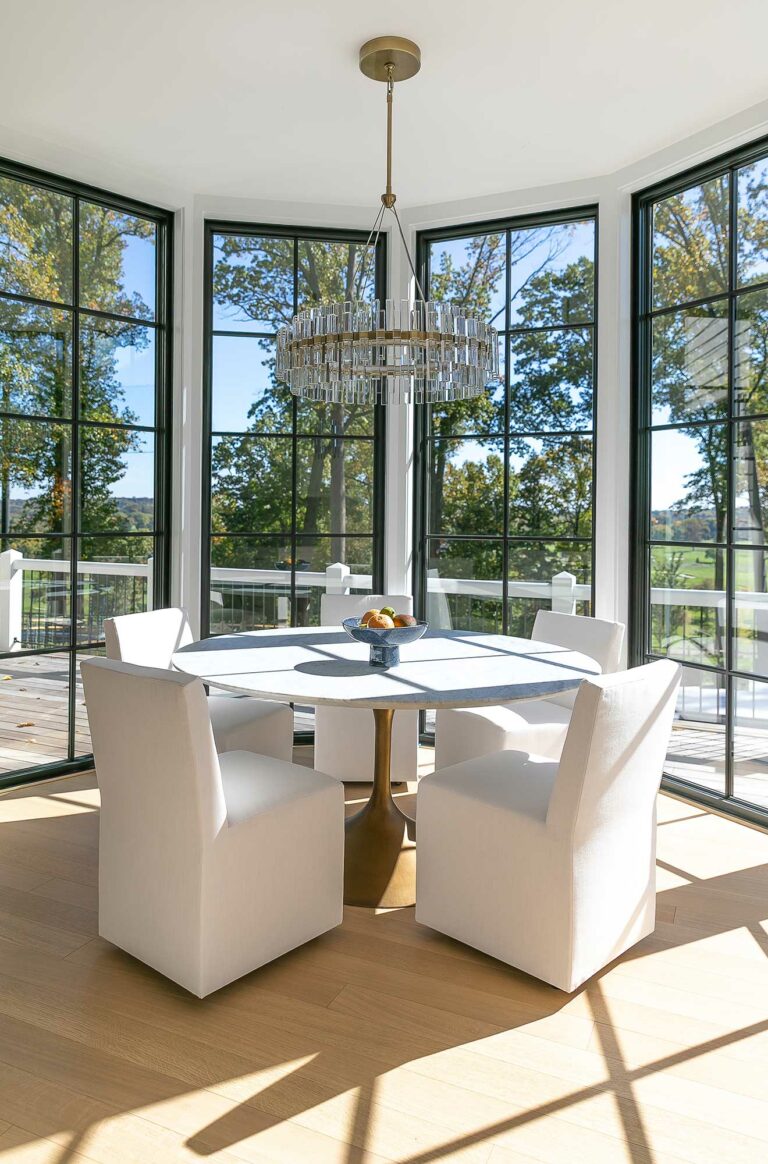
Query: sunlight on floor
pixel 382 1040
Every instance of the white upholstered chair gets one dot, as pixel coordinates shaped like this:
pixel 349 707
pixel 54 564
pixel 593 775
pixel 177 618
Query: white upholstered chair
pixel 343 735
pixel 209 865
pixel 551 866
pixel 254 725
pixel 529 725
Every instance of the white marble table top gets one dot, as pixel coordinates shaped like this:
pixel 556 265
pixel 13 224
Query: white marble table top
pixel 322 665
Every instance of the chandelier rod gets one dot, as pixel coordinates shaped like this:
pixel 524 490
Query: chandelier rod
pixel 388 198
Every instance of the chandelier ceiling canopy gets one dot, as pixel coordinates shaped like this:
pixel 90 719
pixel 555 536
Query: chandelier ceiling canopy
pixel 399 351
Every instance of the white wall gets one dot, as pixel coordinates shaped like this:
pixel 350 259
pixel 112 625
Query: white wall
pixel 612 194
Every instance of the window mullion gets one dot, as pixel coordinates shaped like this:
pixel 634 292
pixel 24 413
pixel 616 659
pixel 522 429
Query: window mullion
pixel 507 357
pixel 730 482
pixel 294 451
pixel 74 499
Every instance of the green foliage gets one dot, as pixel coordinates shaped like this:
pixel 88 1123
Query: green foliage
pixel 690 385
pixel 36 243
pixel 690 244
pixel 551 378
pixel 550 490
pixel 253 284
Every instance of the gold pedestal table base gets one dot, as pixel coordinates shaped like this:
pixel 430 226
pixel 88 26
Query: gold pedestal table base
pixel 379 854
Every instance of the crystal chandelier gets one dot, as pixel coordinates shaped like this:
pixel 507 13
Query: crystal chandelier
pixel 397 352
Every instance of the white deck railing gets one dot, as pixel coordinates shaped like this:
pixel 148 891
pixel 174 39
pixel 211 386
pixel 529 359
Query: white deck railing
pixel 562 592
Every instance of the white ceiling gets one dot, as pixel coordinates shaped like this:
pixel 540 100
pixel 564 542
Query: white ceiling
pixel 263 98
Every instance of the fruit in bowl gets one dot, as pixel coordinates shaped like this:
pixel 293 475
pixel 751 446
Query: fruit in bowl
pixel 386 618
pixel 385 634
pixel 379 621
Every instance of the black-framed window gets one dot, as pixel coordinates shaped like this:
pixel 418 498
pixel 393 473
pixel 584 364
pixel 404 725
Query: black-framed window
pixel 505 483
pixel 701 474
pixel 85 326
pixel 290 488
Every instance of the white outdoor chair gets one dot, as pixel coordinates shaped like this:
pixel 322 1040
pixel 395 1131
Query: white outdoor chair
pixel 209 865
pixel 529 725
pixel 344 736
pixel 551 866
pixel 253 725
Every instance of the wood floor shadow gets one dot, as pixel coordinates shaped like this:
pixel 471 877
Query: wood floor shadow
pixel 318 1056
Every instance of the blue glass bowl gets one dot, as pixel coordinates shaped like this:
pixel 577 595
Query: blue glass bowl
pixel 384 644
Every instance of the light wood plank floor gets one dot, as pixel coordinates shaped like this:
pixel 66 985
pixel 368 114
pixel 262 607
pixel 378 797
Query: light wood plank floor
pixel 382 1040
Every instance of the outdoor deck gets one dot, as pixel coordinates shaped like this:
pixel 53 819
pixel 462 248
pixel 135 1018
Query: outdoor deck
pixel 697 753
pixel 33 711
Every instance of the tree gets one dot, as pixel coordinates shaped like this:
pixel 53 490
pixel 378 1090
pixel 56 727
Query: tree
pixel 690 370
pixel 254 285
pixel 253 282
pixel 551 374
pixel 36 240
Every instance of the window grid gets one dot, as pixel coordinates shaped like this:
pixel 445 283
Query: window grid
pixel 298 431
pixel 73 536
pixel 646 313
pixel 426 438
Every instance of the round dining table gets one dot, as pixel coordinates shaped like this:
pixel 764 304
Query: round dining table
pixel 444 669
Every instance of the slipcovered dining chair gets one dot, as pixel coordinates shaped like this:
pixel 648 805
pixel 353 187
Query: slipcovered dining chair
pixel 551 866
pixel 343 735
pixel 149 639
pixel 209 865
pixel 529 725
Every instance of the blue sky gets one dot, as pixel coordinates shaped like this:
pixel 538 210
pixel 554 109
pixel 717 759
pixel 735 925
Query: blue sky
pixel 240 377
pixel 674 456
pixel 135 369
pixel 139 268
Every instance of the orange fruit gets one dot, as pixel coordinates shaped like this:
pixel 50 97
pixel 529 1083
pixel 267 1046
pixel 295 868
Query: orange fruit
pixel 368 614
pixel 380 622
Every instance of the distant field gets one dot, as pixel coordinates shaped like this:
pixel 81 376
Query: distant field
pixel 695 568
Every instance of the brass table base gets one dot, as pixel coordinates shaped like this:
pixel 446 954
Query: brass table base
pixel 379 855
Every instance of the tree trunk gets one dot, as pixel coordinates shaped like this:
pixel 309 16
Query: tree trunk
pixel 755 534
pixel 338 488
pixel 314 487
